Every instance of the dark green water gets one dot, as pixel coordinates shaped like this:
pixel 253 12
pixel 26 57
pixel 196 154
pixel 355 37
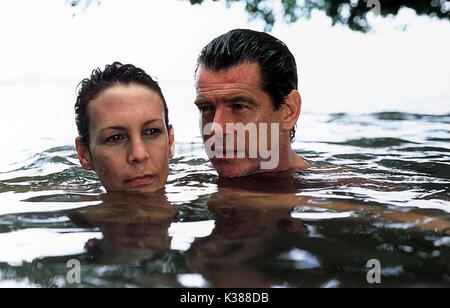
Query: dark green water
pixel 379 189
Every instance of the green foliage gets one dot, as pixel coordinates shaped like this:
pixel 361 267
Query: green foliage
pixel 352 13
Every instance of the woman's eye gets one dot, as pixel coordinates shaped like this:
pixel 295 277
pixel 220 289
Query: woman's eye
pixel 152 131
pixel 115 138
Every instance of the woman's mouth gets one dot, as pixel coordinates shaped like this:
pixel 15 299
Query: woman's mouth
pixel 140 180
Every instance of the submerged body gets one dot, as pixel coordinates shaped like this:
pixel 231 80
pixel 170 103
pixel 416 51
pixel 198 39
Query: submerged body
pixel 256 226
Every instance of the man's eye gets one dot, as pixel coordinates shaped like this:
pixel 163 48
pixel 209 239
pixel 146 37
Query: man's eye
pixel 115 138
pixel 204 108
pixel 239 106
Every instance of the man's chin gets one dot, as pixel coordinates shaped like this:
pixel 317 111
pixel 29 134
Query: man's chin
pixel 234 168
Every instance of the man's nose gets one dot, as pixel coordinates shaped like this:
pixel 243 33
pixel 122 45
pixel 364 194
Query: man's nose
pixel 138 151
pixel 219 123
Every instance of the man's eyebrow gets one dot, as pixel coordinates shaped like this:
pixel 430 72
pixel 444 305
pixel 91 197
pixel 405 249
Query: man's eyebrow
pixel 233 99
pixel 240 98
pixel 200 101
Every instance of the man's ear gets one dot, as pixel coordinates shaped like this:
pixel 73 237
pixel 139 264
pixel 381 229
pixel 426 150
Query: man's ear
pixel 83 154
pixel 290 110
pixel 171 142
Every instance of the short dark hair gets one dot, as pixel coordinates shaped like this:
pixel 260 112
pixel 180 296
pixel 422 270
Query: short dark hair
pixel 113 74
pixel 277 66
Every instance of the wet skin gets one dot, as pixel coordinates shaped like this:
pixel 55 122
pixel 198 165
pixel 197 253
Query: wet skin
pixel 130 146
pixel 235 96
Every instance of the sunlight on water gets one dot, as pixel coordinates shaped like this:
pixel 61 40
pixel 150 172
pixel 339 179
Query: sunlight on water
pixel 192 281
pixel 13 203
pixel 302 259
pixel 34 243
pixel 320 215
pixel 184 233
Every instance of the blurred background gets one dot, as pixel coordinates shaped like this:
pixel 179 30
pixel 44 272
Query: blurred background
pixel 389 62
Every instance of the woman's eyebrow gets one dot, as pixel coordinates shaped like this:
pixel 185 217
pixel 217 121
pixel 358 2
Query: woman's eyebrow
pixel 118 127
pixel 152 121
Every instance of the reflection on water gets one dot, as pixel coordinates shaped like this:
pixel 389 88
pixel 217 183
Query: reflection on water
pixel 379 189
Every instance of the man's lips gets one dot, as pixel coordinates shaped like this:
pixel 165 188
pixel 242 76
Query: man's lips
pixel 141 180
pixel 231 154
pixel 225 150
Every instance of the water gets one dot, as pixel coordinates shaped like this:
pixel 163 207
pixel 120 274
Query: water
pixel 379 189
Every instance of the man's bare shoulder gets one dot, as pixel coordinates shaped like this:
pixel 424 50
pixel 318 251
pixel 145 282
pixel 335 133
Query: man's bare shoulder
pixel 298 163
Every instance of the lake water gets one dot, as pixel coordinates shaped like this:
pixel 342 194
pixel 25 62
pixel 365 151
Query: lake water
pixel 379 189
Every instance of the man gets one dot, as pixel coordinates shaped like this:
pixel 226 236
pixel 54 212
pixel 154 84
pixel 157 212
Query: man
pixel 246 83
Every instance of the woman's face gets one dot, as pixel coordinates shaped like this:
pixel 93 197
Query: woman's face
pixel 129 144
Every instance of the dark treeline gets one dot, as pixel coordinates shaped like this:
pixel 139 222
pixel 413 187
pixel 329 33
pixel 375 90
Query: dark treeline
pixel 352 13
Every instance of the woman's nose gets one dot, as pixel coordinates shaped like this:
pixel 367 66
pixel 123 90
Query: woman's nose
pixel 138 151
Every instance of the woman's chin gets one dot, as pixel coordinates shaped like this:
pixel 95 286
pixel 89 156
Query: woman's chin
pixel 137 188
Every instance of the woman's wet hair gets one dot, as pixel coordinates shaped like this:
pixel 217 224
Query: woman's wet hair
pixel 277 66
pixel 100 80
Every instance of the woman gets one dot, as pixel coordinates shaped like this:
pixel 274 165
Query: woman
pixel 123 127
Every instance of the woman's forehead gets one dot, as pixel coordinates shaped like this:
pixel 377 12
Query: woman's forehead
pixel 126 103
pixel 127 93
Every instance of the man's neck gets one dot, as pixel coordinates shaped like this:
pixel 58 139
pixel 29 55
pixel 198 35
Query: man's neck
pixel 288 159
pixel 298 162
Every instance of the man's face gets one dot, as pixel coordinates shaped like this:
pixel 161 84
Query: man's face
pixel 227 99
pixel 129 143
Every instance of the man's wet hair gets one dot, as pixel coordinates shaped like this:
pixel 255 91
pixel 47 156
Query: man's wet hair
pixel 100 80
pixel 277 66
